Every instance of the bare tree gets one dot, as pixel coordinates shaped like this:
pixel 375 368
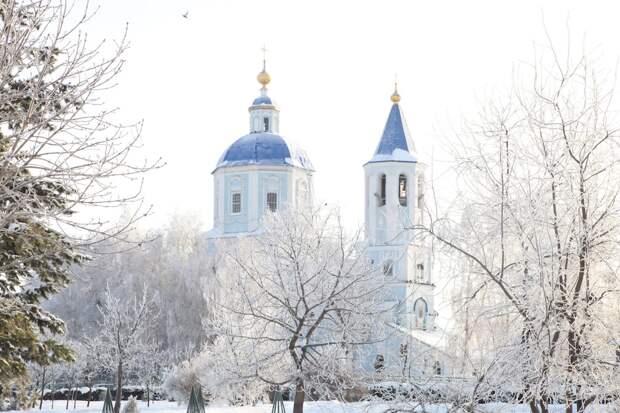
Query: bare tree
pixel 123 331
pixel 538 235
pixel 294 303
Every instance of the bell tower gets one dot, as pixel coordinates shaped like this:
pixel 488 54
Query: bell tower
pixel 394 203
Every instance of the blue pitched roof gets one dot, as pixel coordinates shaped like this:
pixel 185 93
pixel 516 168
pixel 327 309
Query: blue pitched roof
pixel 264 148
pixel 395 144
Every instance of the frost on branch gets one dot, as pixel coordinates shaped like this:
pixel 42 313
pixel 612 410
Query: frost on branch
pixel 295 302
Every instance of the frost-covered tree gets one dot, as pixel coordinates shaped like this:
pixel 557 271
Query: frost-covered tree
pixel 148 366
pixel 60 156
pixel 539 236
pixel 294 302
pixel 94 362
pixel 172 265
pixel 186 375
pixel 124 332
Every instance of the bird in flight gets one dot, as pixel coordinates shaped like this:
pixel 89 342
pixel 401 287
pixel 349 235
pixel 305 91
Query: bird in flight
pixel 186 14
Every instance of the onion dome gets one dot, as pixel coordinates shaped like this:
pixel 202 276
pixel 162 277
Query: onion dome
pixel 263 145
pixel 264 149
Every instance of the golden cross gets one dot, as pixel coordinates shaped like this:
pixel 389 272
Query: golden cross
pixel 264 49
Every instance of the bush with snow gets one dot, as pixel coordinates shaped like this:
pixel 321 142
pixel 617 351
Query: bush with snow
pixel 131 406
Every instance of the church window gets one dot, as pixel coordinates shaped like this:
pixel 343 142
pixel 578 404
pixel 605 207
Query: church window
pixel 388 268
pixel 419 274
pixel 437 368
pixel 420 310
pixel 421 191
pixel 402 190
pixel 236 202
pixel 381 194
pixel 266 122
pixel 272 201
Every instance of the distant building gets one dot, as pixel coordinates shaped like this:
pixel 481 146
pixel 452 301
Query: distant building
pixel 263 171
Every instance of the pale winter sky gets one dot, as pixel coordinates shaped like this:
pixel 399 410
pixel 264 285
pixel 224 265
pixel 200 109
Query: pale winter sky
pixel 332 65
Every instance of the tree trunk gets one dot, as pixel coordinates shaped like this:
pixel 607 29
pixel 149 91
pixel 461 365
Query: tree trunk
pixel 90 395
pixel 69 393
pixel 300 395
pixel 34 395
pixel 148 396
pixel 119 387
pixel 75 396
pixel 42 389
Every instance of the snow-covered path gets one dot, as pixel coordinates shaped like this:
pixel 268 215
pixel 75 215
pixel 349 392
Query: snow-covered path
pixel 173 407
pixel 309 407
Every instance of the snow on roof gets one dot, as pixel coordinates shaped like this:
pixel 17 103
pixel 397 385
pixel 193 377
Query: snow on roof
pixel 264 148
pixel 396 144
pixel 435 338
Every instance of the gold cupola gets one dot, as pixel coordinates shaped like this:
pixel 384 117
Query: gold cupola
pixel 263 77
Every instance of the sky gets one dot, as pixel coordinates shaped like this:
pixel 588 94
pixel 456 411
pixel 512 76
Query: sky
pixel 332 65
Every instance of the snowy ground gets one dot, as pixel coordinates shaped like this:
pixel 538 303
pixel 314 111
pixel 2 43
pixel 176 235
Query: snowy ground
pixel 309 407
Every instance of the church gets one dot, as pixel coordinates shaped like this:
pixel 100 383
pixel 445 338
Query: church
pixel 263 171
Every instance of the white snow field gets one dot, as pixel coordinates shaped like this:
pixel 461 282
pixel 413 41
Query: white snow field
pixel 309 407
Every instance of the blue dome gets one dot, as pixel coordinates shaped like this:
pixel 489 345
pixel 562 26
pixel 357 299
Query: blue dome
pixel 262 100
pixel 264 149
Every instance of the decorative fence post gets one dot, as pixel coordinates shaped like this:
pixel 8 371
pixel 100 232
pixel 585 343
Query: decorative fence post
pixel 107 404
pixel 278 403
pixel 192 406
pixel 199 398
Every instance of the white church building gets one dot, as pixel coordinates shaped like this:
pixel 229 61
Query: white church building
pixel 264 171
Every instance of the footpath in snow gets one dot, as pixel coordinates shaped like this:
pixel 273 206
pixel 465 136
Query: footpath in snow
pixel 309 407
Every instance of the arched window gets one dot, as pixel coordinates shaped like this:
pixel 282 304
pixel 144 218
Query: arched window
pixel 388 268
pixel 236 204
pixel 266 122
pixel 381 194
pixel 419 273
pixel 272 186
pixel 420 310
pixel 272 201
pixel 402 190
pixel 421 191
pixel 437 368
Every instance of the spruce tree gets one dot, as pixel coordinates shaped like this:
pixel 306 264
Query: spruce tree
pixel 58 156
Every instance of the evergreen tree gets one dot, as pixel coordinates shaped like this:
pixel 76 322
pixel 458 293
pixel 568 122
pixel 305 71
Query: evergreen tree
pixel 57 156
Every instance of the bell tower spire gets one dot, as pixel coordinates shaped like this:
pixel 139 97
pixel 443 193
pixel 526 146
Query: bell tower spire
pixel 394 204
